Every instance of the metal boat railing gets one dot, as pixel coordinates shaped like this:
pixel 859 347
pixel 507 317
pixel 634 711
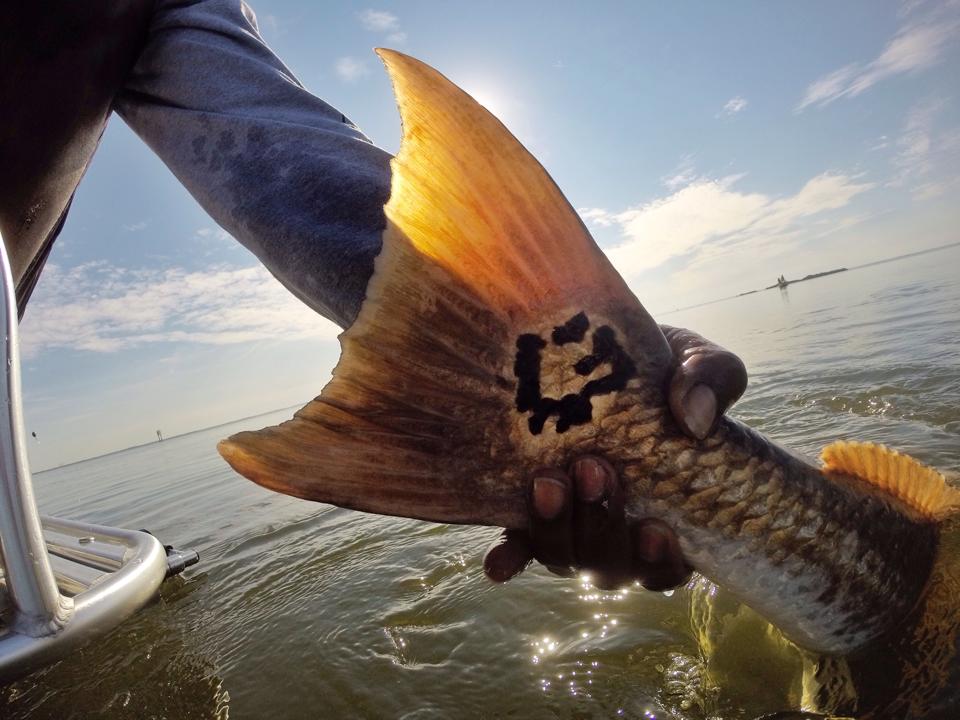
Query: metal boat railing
pixel 62 582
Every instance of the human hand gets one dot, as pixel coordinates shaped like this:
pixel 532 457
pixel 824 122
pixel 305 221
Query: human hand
pixel 577 523
pixel 577 520
pixel 706 381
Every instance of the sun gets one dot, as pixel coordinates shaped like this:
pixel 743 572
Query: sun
pixel 491 98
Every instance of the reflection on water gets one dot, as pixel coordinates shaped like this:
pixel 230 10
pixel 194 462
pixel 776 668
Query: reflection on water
pixel 135 673
pixel 299 610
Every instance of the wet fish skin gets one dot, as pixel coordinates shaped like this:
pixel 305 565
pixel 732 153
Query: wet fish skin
pixel 828 560
pixel 913 670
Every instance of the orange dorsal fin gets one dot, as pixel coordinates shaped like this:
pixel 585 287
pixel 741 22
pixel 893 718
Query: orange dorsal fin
pixel 910 481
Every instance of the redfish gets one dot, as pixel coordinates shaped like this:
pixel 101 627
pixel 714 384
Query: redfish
pixel 497 338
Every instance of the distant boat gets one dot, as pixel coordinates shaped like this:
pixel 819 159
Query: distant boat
pixel 782 282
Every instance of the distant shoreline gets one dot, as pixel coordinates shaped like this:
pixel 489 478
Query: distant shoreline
pixel 813 276
pixel 785 283
pixel 171 437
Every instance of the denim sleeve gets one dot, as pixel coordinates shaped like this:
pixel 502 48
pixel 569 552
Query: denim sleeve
pixel 289 176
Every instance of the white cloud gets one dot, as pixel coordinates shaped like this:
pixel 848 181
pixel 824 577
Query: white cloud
pixel 828 88
pixel 135 227
pixel 210 241
pixel 683 174
pixel 597 216
pixel 915 47
pixel 379 20
pixel 733 106
pixel 707 219
pixel 914 145
pixel 214 233
pixel 100 307
pixel 350 69
pixel 924 152
pixel 386 23
pixel 908 7
pixel 929 190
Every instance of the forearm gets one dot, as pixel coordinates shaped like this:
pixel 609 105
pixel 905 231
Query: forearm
pixel 282 171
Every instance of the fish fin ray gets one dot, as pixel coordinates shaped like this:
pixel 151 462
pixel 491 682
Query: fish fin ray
pixel 467 194
pixel 917 485
pixel 328 454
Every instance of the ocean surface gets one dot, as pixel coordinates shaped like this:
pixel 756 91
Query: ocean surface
pixel 301 610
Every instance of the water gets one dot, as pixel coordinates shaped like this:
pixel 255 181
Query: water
pixel 300 610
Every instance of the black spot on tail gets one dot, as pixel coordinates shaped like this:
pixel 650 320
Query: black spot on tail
pixel 527 369
pixel 572 330
pixel 573 408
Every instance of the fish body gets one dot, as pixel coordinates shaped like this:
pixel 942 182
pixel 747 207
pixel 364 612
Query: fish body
pixel 496 338
pixel 911 671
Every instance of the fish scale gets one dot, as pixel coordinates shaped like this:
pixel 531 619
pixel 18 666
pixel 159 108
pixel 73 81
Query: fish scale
pixel 831 563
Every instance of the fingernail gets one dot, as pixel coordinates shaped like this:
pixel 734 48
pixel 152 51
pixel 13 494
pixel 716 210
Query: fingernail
pixel 591 479
pixel 549 496
pixel 651 544
pixel 700 410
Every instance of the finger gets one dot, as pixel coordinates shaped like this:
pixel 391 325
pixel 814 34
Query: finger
pixel 600 536
pixel 721 371
pixel 705 383
pixel 685 343
pixel 658 560
pixel 508 556
pixel 550 518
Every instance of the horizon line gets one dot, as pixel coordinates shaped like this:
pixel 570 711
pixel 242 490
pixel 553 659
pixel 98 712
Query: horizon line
pixel 172 437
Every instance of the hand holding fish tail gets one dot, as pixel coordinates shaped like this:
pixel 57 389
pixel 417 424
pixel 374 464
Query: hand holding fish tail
pixel 574 530
pixel 577 523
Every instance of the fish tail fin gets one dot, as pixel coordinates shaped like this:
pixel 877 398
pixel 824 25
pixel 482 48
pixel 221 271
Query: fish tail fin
pixel 425 415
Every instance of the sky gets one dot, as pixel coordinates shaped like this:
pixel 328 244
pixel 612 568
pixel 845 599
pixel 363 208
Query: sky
pixel 709 147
